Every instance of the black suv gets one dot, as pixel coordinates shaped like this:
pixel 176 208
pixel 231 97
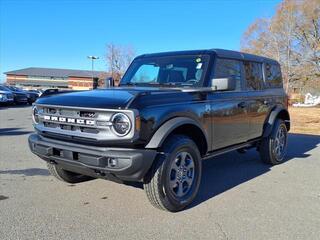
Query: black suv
pixel 170 111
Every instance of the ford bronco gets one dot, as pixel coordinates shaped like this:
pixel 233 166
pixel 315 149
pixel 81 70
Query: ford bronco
pixel 169 112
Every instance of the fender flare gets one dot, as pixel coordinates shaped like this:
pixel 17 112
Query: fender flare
pixel 163 132
pixel 271 119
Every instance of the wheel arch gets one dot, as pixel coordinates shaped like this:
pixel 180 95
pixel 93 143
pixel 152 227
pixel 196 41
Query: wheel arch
pixel 278 112
pixel 180 125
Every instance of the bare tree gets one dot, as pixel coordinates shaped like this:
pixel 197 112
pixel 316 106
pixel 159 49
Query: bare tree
pixel 292 37
pixel 118 59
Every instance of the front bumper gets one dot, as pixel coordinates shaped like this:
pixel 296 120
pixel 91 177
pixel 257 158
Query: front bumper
pixel 104 162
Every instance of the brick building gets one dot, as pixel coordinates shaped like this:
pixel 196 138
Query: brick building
pixel 55 78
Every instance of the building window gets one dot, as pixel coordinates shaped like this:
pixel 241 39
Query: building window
pixel 45 78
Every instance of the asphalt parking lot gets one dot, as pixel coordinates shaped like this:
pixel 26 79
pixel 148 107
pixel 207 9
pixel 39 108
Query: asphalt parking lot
pixel 239 198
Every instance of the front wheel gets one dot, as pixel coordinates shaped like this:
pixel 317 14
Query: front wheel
pixel 274 147
pixel 174 179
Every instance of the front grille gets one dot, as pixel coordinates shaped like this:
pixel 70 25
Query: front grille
pixel 72 119
pixel 76 122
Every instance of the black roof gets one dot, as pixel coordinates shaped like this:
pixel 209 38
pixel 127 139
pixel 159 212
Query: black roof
pixel 56 72
pixel 219 52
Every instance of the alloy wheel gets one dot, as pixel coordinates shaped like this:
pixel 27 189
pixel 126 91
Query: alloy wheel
pixel 182 174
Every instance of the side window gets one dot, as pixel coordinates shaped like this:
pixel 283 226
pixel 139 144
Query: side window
pixel 273 76
pixel 229 68
pixel 254 77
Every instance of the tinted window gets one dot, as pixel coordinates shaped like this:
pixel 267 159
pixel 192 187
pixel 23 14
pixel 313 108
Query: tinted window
pixel 273 76
pixel 227 68
pixel 254 77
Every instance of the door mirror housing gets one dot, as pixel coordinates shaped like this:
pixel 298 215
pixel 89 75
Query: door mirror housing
pixel 223 84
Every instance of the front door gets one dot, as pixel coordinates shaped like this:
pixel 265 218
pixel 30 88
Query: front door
pixel 229 108
pixel 229 118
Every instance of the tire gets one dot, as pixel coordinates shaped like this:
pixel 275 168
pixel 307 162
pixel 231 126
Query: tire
pixel 274 147
pixel 66 176
pixel 173 181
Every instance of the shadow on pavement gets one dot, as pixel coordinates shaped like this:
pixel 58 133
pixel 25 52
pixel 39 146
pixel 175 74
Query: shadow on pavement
pixel 300 144
pixel 28 172
pixel 229 170
pixel 12 132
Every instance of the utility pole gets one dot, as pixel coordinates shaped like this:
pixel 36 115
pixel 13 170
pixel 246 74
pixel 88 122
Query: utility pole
pixel 92 60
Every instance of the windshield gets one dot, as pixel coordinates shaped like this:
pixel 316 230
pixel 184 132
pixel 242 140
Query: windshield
pixel 169 71
pixel 15 89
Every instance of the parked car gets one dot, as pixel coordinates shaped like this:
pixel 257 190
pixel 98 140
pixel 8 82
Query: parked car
pixel 31 95
pixel 6 97
pixel 171 111
pixel 38 91
pixel 19 97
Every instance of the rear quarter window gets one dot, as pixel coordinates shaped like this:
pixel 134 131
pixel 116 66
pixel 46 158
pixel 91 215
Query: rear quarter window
pixel 273 76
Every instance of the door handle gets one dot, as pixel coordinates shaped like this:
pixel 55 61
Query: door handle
pixel 242 104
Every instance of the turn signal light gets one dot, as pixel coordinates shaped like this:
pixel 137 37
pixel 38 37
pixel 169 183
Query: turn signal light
pixel 138 123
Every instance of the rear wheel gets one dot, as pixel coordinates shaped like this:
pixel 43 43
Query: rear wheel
pixel 66 176
pixel 174 179
pixel 274 147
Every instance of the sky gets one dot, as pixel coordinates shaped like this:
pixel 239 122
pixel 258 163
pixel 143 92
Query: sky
pixel 62 33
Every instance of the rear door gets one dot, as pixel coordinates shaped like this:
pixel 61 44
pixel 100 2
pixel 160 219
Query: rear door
pixel 259 98
pixel 228 108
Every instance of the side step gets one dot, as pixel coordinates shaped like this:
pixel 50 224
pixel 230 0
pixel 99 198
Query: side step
pixel 246 145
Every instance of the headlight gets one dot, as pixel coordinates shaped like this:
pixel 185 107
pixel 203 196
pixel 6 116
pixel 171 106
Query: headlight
pixel 28 95
pixel 35 115
pixel 1 96
pixel 121 124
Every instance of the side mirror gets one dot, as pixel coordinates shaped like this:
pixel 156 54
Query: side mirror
pixel 223 84
pixel 109 82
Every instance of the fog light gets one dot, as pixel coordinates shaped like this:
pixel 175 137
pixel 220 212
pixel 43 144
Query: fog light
pixel 113 162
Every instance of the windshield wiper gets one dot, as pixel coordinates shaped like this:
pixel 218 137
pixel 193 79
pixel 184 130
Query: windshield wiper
pixel 128 84
pixel 153 84
pixel 140 84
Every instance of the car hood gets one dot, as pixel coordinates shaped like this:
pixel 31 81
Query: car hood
pixel 113 98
